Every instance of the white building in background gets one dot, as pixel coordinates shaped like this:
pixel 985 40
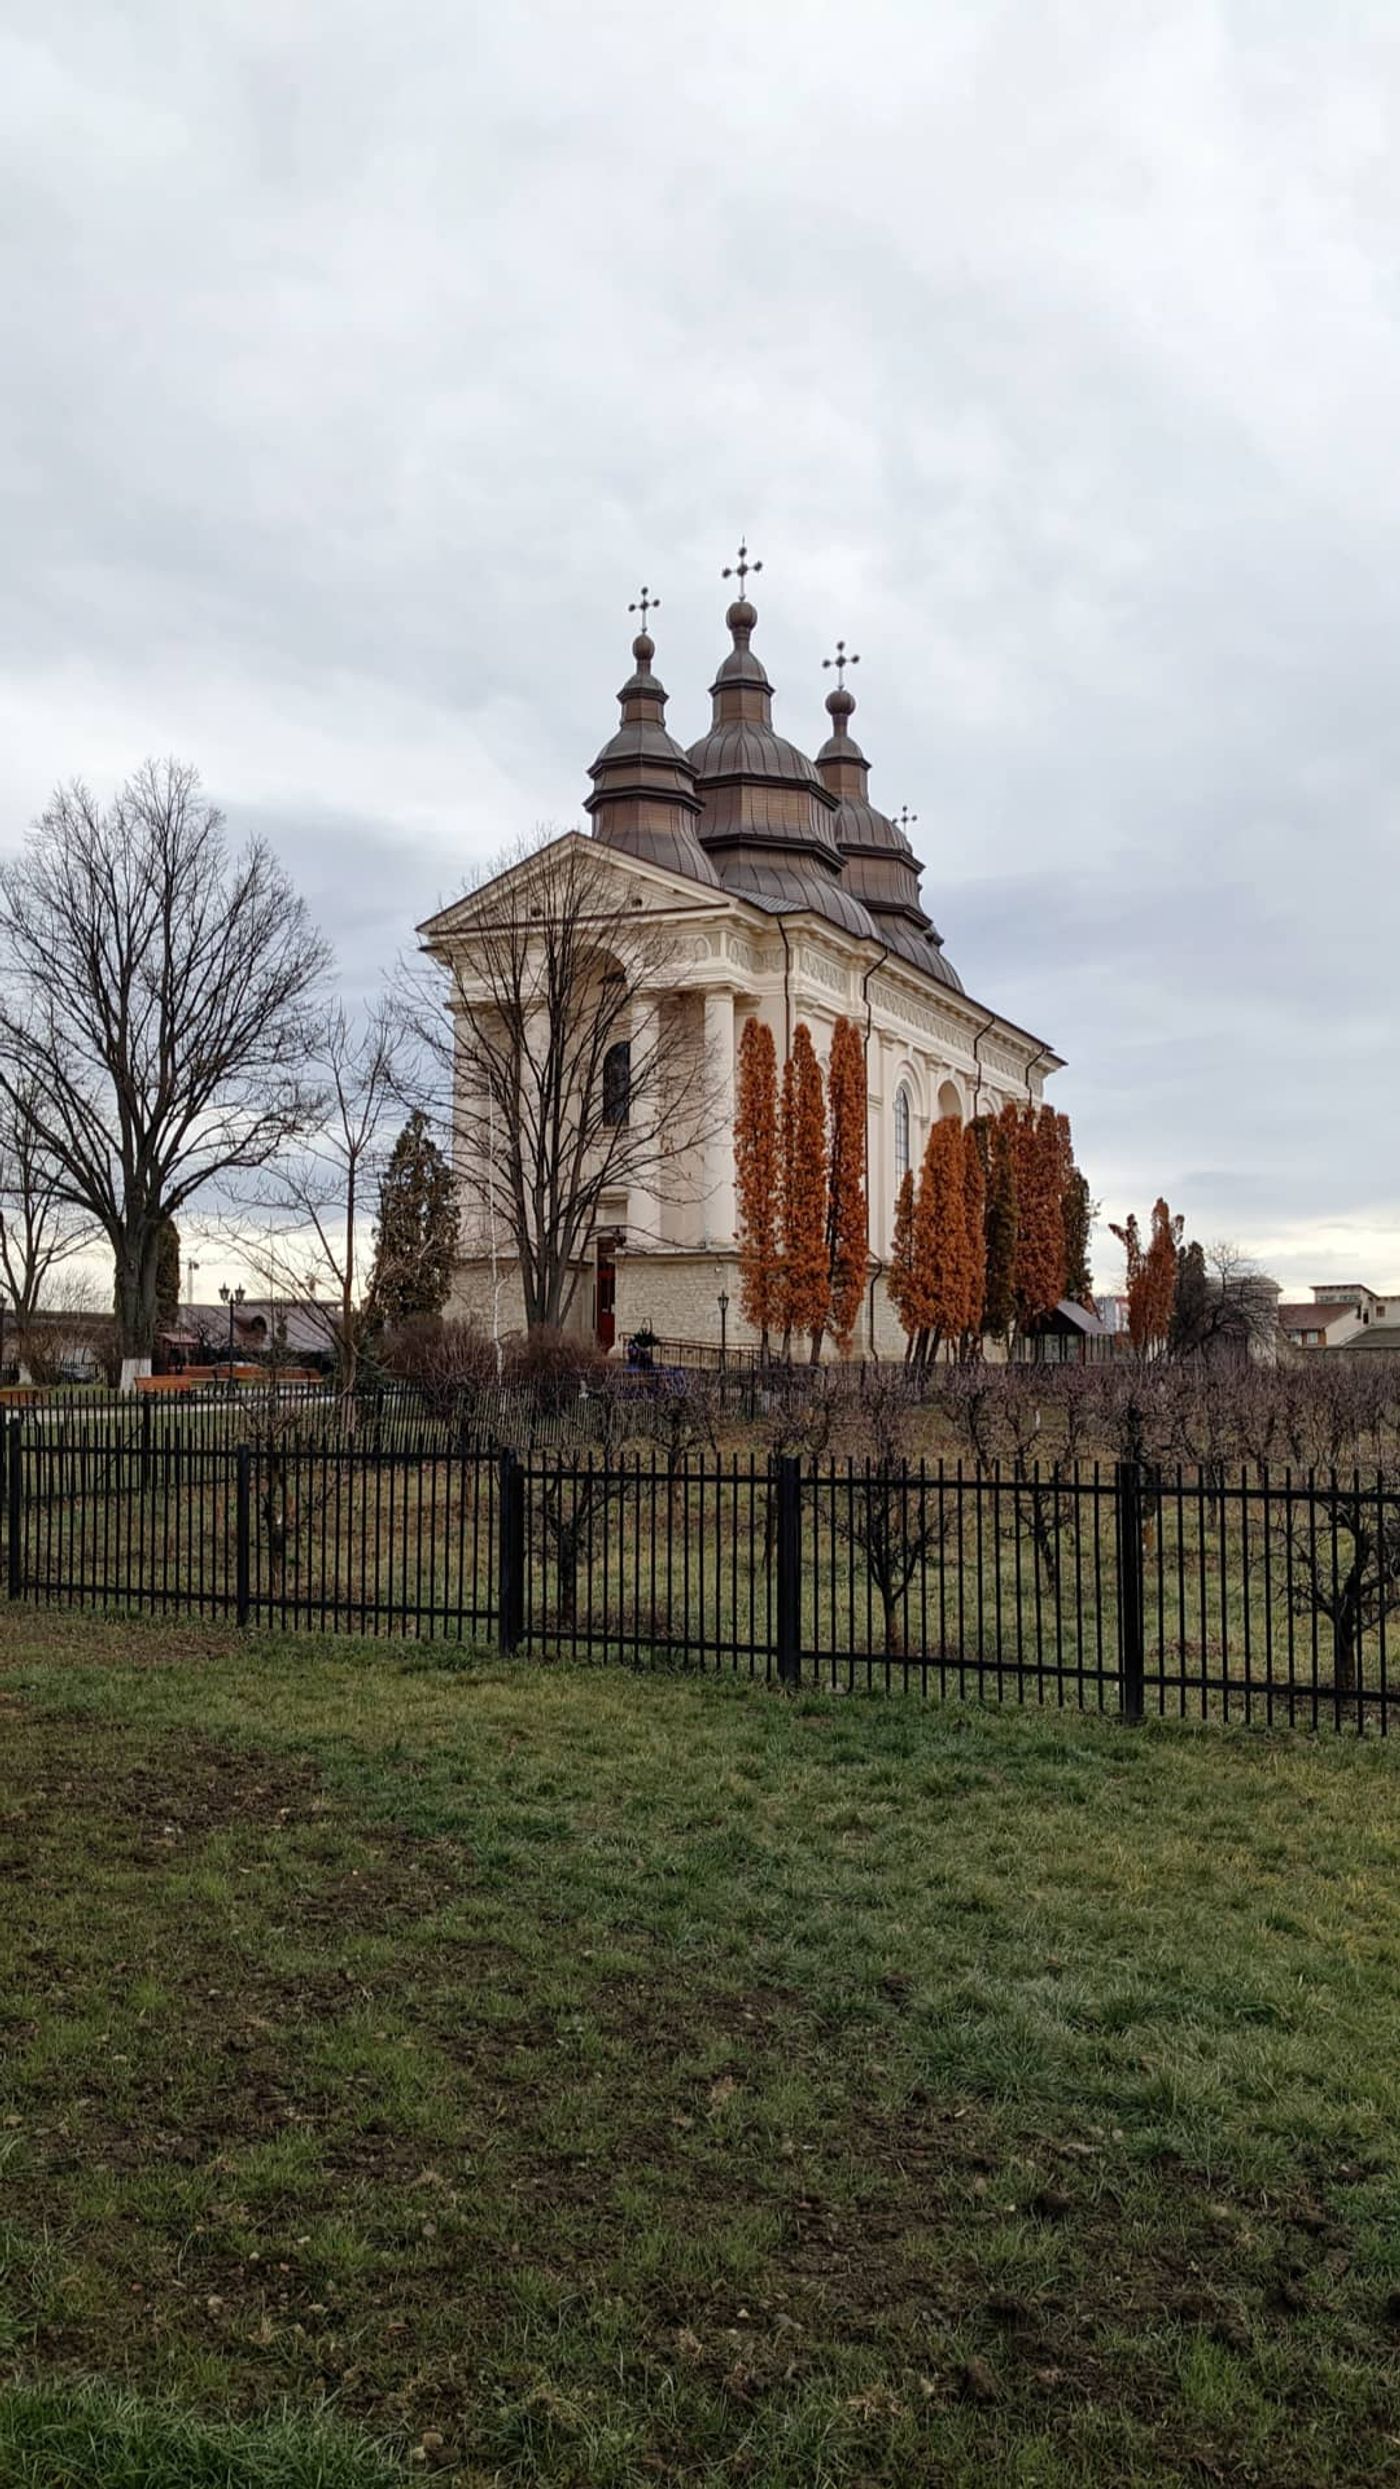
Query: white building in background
pixel 1343 1314
pixel 787 896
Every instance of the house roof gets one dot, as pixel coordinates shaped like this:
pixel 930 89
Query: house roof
pixel 306 1328
pixel 1313 1317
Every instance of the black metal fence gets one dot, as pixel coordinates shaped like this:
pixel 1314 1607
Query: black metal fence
pixel 1256 1596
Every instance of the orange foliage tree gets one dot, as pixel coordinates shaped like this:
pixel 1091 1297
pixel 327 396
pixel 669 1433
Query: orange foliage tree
pixel 756 1180
pixel 847 1218
pixel 941 1296
pixel 1151 1276
pixel 806 1293
pixel 1037 1152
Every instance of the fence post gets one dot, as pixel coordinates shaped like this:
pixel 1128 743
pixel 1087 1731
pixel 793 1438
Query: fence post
pixel 14 1507
pixel 510 1578
pixel 789 1581
pixel 243 1546
pixel 1131 1617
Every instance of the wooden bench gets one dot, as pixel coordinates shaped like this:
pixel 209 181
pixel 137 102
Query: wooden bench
pixel 163 1386
pixel 21 1395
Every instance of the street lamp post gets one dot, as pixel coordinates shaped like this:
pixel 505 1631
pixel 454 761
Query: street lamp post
pixel 232 1297
pixel 723 1328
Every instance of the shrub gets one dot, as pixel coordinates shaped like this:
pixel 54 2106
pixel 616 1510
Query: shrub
pixel 553 1365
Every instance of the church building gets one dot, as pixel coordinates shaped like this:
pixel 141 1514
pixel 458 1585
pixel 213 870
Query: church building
pixel 789 897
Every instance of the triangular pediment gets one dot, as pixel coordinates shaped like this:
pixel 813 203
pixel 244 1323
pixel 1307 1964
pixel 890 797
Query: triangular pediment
pixel 647 884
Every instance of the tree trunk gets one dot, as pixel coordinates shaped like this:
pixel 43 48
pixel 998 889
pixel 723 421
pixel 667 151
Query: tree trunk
pixel 137 1255
pixel 1348 1620
pixel 894 1627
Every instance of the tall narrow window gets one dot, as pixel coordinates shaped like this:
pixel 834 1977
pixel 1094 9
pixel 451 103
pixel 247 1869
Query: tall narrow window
pixel 901 1134
pixel 617 1083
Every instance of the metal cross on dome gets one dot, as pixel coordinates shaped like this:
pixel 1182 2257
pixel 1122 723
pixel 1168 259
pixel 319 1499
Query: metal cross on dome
pixel 840 661
pixel 646 604
pixel 740 570
pixel 903 819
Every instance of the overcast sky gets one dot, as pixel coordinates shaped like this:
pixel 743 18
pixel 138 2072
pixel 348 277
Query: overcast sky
pixel 362 361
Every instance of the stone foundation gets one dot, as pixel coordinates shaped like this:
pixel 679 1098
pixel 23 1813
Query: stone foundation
pixel 676 1295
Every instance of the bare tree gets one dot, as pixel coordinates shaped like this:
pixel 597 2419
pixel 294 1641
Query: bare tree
pixel 318 1196
pixel 69 1336
pixel 39 1231
pixel 1225 1307
pixel 154 1012
pixel 898 1518
pixel 577 1068
pixel 1038 1437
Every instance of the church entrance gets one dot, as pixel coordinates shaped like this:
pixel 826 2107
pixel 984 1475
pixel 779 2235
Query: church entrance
pixel 605 1305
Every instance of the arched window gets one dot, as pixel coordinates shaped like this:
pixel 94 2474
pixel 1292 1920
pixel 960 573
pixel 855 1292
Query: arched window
pixel 949 1100
pixel 617 1083
pixel 901 1134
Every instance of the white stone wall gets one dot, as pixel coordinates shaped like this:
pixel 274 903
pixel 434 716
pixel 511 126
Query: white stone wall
pixel 732 963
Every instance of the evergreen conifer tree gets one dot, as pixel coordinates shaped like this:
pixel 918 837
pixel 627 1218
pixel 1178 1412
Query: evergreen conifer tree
pixel 416 1235
pixel 757 1181
pixel 847 1220
pixel 1003 1221
pixel 975 1219
pixel 902 1284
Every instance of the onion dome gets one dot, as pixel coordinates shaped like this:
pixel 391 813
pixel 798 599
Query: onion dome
pixel 644 799
pixel 768 820
pixel 881 868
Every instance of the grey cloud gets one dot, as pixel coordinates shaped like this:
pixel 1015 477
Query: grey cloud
pixel 368 361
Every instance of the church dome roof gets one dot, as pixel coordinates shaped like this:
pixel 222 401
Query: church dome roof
pixel 881 868
pixel 768 819
pixel 744 748
pixel 644 800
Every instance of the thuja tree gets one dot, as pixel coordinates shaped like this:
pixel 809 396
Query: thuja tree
pixel 902 1281
pixel 847 1218
pixel 415 1239
pixel 756 1180
pixel 974 1190
pixel 155 1005
pixel 943 1257
pixel 806 1289
pixel 992 1140
pixel 1078 1211
pixel 1151 1275
pixel 1038 1153
pixel 938 1277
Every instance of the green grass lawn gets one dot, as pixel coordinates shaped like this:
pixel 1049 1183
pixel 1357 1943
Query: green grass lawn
pixel 496 2073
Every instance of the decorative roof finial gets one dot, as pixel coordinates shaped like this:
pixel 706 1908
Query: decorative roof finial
pixel 740 570
pixel 645 604
pixel 840 661
pixel 903 819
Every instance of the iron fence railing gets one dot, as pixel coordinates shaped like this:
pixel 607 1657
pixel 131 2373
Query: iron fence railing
pixel 1257 1595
